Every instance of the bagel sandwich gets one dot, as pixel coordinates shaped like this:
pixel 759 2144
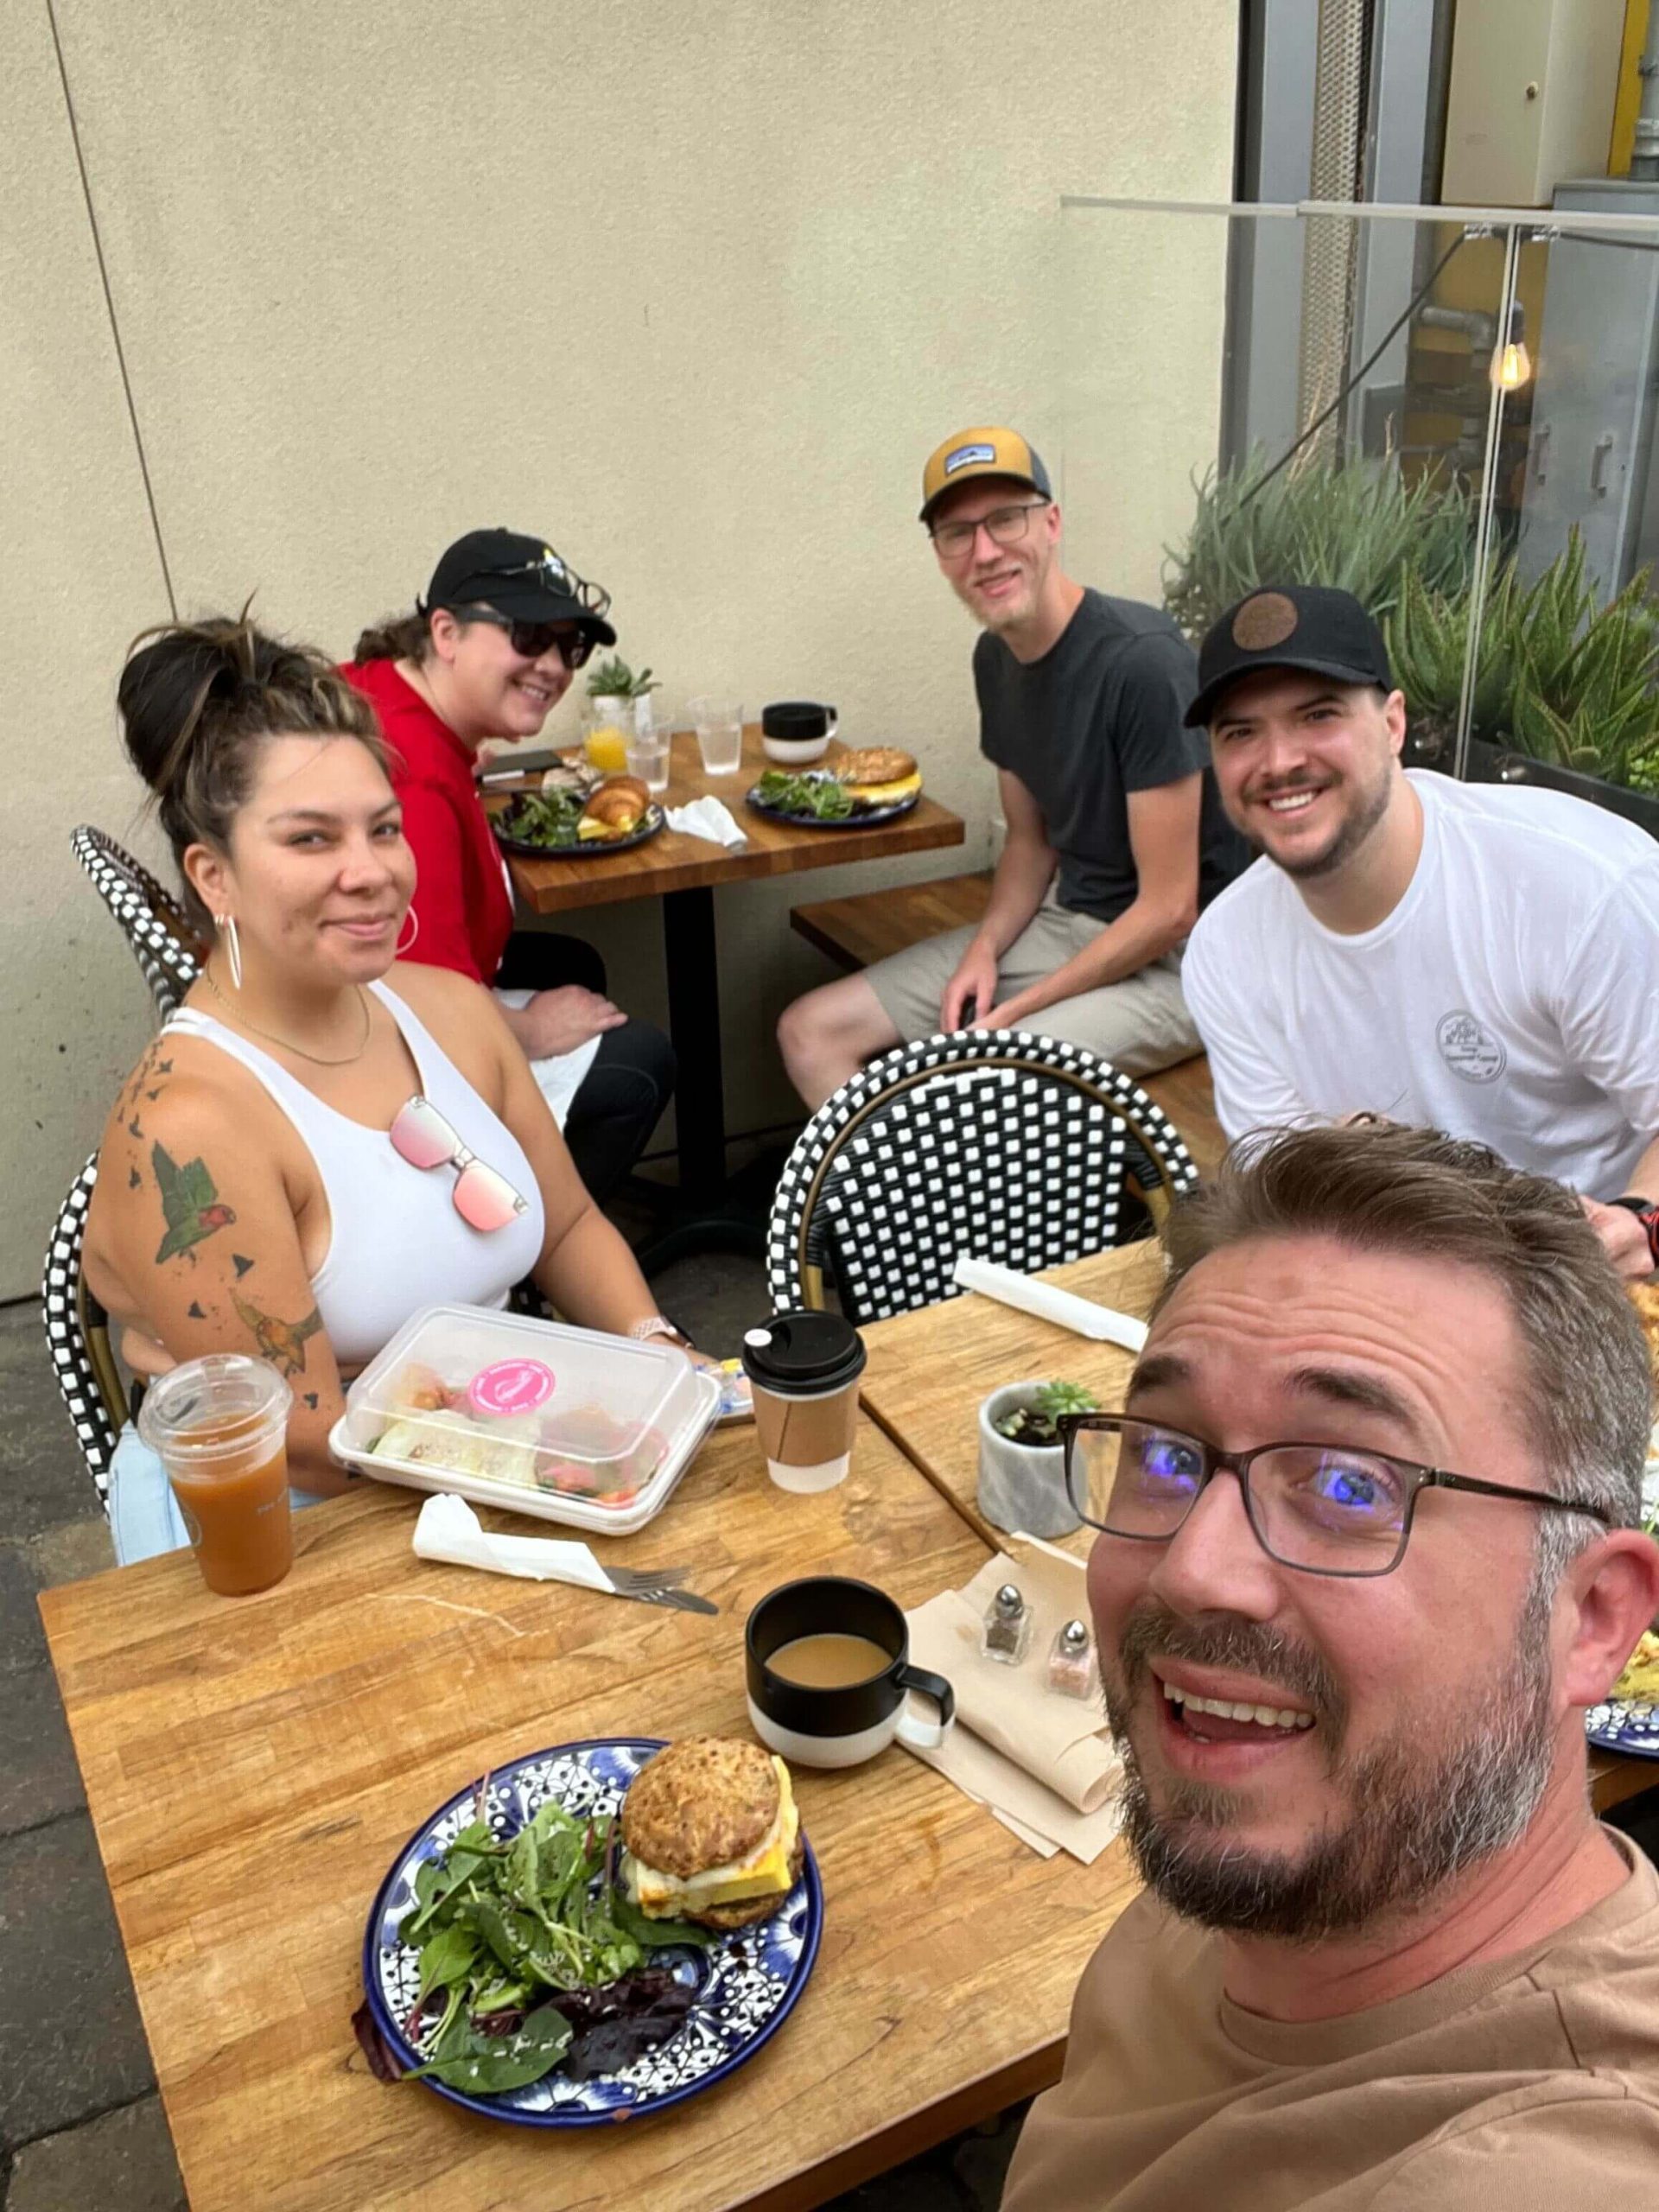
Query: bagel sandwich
pixel 710 1833
pixel 878 775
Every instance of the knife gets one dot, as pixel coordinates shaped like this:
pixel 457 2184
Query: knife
pixel 686 1601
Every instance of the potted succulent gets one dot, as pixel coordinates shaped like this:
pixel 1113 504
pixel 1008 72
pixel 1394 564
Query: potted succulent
pixel 619 705
pixel 1022 1466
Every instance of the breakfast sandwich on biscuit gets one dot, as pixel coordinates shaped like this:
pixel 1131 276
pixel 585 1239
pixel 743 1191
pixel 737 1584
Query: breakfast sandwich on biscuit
pixel 711 1834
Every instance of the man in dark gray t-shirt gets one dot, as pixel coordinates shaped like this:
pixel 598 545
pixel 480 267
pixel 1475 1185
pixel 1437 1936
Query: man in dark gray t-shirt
pixel 1115 839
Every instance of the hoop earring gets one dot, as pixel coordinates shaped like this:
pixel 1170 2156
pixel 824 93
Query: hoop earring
pixel 227 924
pixel 399 951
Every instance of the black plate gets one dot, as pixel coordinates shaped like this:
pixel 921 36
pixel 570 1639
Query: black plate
pixel 865 819
pixel 652 823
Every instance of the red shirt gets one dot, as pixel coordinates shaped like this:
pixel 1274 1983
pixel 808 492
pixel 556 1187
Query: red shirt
pixel 462 902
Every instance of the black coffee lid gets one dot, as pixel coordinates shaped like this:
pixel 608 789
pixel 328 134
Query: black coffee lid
pixel 804 1351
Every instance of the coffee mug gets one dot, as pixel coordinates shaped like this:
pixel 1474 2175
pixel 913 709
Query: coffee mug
pixel 796 731
pixel 838 1723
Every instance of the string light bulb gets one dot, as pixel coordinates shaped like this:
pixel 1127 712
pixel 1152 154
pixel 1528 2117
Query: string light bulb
pixel 1511 366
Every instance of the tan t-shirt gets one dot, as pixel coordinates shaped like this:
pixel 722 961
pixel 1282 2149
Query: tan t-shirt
pixel 1527 2084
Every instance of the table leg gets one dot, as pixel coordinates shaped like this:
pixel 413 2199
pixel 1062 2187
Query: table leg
pixel 694 1027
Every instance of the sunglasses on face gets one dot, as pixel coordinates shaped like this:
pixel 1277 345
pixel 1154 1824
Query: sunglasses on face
pixel 532 639
pixel 484 1200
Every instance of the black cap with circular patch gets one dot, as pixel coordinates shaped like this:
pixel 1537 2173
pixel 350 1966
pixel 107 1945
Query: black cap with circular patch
pixel 1310 626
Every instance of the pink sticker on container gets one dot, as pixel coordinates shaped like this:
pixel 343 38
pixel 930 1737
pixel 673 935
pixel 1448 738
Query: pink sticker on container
pixel 511 1386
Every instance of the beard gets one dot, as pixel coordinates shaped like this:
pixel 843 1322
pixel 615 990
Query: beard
pixel 1420 1811
pixel 1370 804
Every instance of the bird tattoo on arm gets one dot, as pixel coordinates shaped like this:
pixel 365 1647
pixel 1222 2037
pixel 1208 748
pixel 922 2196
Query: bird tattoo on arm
pixel 282 1343
pixel 190 1203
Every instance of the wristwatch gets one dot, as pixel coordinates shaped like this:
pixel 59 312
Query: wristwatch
pixel 660 1326
pixel 1648 1214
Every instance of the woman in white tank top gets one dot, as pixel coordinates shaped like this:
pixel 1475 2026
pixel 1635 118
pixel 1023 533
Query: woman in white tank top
pixel 256 1190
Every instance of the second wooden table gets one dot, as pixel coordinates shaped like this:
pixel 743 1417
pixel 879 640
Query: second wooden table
pixel 685 871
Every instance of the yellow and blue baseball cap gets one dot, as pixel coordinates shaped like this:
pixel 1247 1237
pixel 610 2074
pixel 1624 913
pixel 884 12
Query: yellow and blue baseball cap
pixel 986 451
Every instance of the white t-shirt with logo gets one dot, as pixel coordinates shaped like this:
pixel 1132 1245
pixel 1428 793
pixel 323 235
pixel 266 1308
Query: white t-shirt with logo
pixel 1511 997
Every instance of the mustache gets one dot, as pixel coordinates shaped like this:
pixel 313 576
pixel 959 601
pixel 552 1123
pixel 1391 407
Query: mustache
pixel 1228 1640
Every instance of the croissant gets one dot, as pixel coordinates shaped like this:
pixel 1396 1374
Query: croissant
pixel 618 804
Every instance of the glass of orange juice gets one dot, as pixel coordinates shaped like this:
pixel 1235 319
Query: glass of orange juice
pixel 219 1425
pixel 608 724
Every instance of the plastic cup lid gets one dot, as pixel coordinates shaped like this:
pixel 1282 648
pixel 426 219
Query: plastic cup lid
pixel 804 1351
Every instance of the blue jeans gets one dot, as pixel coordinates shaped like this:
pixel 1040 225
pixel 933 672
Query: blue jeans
pixel 144 1516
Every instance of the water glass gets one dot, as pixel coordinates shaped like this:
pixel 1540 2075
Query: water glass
pixel 719 725
pixel 648 759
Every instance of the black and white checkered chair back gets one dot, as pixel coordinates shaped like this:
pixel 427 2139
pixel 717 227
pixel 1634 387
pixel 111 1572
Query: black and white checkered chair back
pixel 1003 1145
pixel 77 1337
pixel 150 918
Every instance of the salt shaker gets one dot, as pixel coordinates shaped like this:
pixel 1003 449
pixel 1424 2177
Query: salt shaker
pixel 1072 1661
pixel 1007 1637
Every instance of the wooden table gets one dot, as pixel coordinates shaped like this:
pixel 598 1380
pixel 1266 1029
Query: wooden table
pixel 252 1767
pixel 685 871
pixel 928 1371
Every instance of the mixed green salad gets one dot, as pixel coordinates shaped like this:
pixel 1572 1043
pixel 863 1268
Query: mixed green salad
pixel 819 795
pixel 532 1954
pixel 544 818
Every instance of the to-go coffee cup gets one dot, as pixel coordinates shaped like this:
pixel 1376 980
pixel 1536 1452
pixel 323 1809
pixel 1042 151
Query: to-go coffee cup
pixel 840 1716
pixel 803 1368
pixel 796 731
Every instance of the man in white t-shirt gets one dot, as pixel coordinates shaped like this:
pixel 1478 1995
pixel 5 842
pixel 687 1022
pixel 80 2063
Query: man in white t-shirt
pixel 1481 958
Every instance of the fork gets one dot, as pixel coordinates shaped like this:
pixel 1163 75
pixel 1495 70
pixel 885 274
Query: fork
pixel 630 1579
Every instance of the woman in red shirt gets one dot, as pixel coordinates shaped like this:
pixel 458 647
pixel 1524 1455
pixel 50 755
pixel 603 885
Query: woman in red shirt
pixel 488 653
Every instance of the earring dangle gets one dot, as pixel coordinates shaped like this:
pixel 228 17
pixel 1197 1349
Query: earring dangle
pixel 399 951
pixel 226 925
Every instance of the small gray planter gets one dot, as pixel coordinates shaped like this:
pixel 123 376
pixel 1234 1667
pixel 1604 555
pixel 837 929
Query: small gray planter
pixel 1021 1486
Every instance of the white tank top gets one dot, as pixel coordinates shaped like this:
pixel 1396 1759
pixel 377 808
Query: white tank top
pixel 396 1242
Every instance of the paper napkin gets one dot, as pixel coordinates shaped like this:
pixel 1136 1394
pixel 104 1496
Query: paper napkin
pixel 707 817
pixel 448 1529
pixel 1044 1764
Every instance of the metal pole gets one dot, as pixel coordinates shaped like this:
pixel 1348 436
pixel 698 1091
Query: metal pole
pixel 1644 158
pixel 1484 522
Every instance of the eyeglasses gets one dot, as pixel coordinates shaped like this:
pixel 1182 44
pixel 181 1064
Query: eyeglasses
pixel 484 1199
pixel 1323 1508
pixel 532 639
pixel 557 574
pixel 1006 526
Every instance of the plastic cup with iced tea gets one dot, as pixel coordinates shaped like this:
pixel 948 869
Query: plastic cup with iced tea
pixel 219 1426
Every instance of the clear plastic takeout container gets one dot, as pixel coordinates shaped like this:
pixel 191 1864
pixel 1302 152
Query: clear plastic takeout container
pixel 562 1423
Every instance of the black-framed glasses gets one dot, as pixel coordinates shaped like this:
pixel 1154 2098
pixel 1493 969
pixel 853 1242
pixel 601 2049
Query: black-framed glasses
pixel 557 575
pixel 532 639
pixel 1007 525
pixel 1323 1508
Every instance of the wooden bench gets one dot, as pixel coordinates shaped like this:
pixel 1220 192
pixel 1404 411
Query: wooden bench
pixel 856 932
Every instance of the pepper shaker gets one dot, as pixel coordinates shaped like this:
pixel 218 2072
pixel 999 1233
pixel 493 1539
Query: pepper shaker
pixel 1072 1661
pixel 1007 1637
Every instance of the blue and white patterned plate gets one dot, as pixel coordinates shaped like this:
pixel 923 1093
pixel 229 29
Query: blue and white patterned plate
pixel 747 1982
pixel 1631 1728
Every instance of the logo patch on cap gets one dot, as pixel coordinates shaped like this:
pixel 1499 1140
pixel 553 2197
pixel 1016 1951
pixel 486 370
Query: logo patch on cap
pixel 1265 620
pixel 964 455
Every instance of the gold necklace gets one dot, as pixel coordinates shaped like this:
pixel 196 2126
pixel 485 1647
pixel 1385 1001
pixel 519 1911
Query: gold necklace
pixel 287 1045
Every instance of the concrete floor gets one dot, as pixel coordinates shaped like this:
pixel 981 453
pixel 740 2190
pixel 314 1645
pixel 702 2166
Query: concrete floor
pixel 80 2123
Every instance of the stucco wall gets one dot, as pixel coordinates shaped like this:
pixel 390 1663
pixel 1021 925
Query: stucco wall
pixel 689 291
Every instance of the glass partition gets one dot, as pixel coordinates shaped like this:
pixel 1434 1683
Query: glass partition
pixel 1448 412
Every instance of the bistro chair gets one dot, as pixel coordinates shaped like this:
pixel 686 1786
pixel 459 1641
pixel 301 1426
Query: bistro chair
pixel 163 941
pixel 77 1336
pixel 1011 1146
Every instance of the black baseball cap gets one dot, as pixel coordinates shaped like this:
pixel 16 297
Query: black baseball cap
pixel 521 578
pixel 1310 626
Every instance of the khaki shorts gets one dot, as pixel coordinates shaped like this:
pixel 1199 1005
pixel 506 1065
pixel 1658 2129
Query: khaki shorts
pixel 1139 1025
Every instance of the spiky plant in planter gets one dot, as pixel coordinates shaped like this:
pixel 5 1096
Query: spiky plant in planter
pixel 1361 526
pixel 1035 1423
pixel 611 678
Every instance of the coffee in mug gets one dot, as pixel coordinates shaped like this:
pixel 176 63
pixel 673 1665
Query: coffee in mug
pixel 804 1370
pixel 828 1672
